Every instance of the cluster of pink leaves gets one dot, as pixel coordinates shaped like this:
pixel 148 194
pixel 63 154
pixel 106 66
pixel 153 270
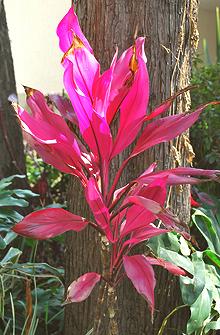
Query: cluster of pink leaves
pixel 125 216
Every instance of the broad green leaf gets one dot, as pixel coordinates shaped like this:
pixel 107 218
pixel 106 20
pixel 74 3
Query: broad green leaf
pixel 11 256
pixel 167 241
pixel 213 325
pixel 200 311
pixel 207 228
pixel 11 201
pixel 213 257
pixel 175 258
pixel 191 288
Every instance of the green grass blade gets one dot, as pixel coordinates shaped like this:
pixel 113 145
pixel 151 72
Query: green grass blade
pixel 13 314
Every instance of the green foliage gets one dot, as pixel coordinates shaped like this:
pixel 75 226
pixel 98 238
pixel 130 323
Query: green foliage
pixel 201 288
pixel 25 286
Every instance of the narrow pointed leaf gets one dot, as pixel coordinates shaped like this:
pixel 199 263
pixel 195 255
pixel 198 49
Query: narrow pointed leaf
pixel 49 222
pixel 167 265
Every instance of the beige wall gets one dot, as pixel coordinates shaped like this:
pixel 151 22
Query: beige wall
pixel 32 28
pixel 207 29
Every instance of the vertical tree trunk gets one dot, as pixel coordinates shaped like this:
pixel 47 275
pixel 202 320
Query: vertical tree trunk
pixel 170 27
pixel 11 153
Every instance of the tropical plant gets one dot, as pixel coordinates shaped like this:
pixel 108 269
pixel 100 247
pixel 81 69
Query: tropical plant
pixel 124 217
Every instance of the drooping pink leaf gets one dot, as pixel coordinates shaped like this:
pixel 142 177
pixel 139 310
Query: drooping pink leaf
pixel 158 212
pixel 141 274
pixel 82 287
pixel 49 222
pixel 98 207
pixel 167 265
pixel 56 146
pixel 165 129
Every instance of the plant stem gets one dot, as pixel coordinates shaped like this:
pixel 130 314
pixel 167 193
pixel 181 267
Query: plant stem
pixel 112 311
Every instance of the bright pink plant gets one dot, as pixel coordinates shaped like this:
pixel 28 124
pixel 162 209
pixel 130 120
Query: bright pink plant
pixel 125 216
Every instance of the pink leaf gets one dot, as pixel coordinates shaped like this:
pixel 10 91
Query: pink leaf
pixel 98 207
pixel 176 176
pixel 167 265
pixel 144 234
pixel 56 145
pixel 134 94
pixel 82 287
pixel 165 129
pixel 141 274
pixel 49 222
pixel 67 27
pixel 147 201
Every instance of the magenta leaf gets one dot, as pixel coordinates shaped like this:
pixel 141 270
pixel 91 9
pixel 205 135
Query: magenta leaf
pixel 82 287
pixel 141 274
pixel 134 94
pixel 167 265
pixel 49 222
pixel 165 129
pixel 97 206
pixel 67 27
pixel 144 234
pixel 177 176
pixel 147 202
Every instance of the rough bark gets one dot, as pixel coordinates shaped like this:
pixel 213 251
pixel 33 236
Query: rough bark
pixel 170 27
pixel 11 153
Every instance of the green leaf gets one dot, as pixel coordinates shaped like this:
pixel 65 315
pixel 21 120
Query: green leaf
pixel 3 245
pixel 175 258
pixel 11 201
pixel 207 228
pixel 167 241
pixel 213 257
pixel 213 325
pixel 6 213
pixel 38 268
pixel 184 248
pixel 5 182
pixel 9 237
pixel 24 193
pixel 200 311
pixel 11 256
pixel 191 288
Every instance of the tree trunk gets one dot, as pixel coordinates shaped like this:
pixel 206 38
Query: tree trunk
pixel 12 151
pixel 170 27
